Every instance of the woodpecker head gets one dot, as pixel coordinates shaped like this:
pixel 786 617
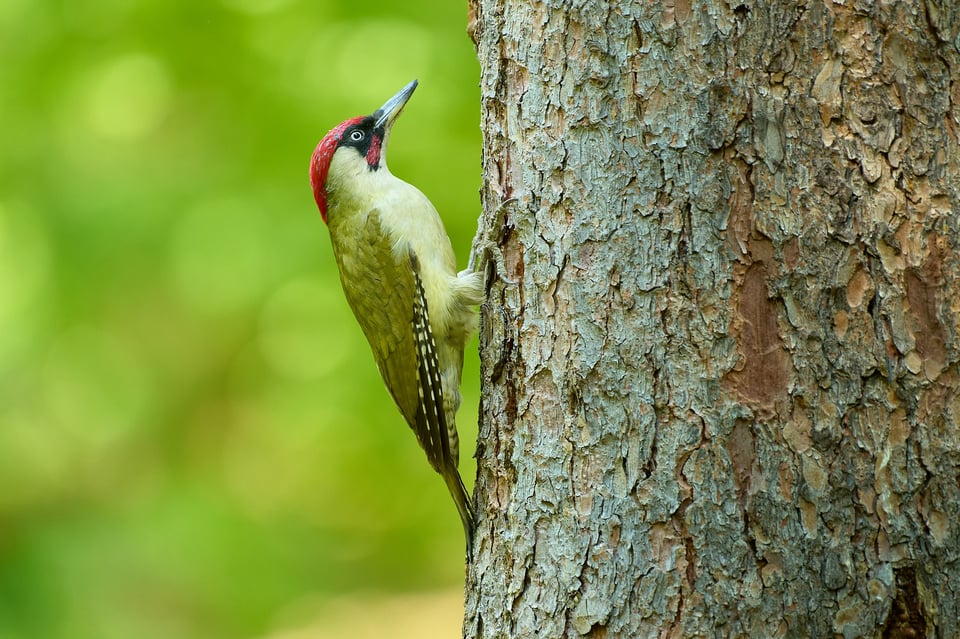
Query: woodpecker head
pixel 358 144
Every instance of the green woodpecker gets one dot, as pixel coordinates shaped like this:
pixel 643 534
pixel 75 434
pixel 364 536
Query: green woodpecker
pixel 399 276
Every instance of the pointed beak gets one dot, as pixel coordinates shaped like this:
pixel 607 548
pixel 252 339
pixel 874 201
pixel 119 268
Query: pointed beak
pixel 387 114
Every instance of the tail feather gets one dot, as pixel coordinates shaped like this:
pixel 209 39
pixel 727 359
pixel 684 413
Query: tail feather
pixel 460 496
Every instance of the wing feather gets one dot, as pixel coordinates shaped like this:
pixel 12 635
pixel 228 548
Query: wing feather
pixel 432 410
pixel 383 288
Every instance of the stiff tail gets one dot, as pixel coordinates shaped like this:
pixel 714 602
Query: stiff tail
pixel 435 430
pixel 460 496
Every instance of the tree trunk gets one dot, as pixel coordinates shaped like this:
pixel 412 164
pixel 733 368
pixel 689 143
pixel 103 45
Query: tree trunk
pixel 720 352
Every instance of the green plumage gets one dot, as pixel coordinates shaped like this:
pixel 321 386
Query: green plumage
pixel 382 284
pixel 399 275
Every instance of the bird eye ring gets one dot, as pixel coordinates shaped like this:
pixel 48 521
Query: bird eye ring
pixel 356 136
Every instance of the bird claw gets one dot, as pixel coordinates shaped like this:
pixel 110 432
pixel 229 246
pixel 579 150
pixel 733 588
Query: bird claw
pixel 486 251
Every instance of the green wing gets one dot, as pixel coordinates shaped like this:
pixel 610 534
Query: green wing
pixel 383 287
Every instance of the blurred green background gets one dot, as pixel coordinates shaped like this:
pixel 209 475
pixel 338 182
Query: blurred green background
pixel 194 440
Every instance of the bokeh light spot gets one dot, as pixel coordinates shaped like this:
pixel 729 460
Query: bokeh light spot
pixel 128 97
pixel 368 66
pixel 24 273
pixel 217 255
pixel 12 10
pixel 303 329
pixel 255 7
pixel 95 388
pixel 31 459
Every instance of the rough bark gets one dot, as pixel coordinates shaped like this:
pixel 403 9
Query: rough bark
pixel 720 352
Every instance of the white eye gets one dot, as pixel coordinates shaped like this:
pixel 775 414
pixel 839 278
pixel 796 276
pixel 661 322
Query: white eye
pixel 356 136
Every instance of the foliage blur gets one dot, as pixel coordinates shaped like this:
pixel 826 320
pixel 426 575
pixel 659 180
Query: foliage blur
pixel 194 440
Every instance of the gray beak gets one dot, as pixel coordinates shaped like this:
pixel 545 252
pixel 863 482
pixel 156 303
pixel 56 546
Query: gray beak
pixel 388 113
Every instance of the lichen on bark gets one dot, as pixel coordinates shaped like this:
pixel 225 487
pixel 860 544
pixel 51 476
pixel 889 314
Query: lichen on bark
pixel 720 352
